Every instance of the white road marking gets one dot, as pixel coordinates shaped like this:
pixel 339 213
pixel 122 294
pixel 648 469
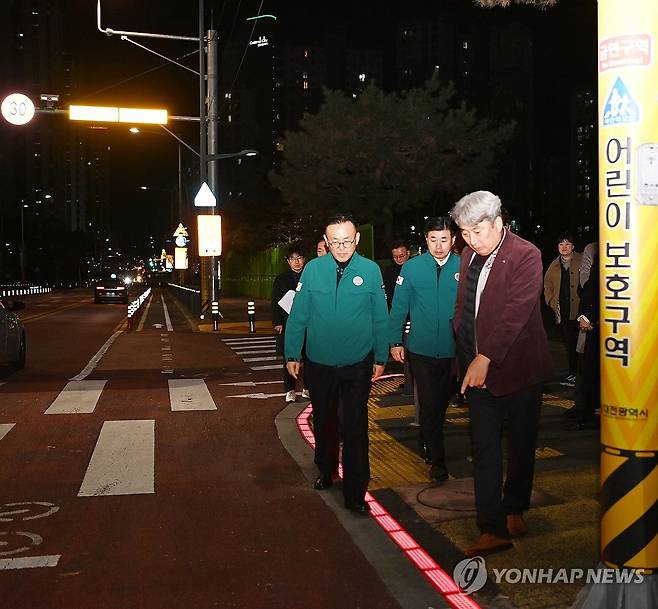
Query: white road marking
pixel 255 352
pixel 262 359
pixel 170 328
pixel 93 362
pixel 258 396
pixel 123 461
pixel 257 346
pixel 252 383
pixel 29 562
pixel 237 341
pixel 78 397
pixel 140 327
pixel 5 428
pixel 268 367
pixel 190 394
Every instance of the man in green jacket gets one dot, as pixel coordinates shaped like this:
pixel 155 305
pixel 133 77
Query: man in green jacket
pixel 340 306
pixel 426 290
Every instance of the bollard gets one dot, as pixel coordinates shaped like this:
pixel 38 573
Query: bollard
pixel 251 316
pixel 214 309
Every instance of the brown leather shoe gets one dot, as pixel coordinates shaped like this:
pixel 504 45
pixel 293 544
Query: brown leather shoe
pixel 488 544
pixel 516 526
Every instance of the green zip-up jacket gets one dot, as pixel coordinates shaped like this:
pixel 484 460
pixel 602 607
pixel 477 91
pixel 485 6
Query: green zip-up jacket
pixel 343 323
pixel 429 303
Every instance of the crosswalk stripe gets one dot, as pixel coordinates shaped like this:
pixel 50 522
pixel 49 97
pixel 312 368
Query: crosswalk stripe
pixel 255 352
pixel 190 394
pixel 123 461
pixel 268 367
pixel 29 562
pixel 237 341
pixel 5 428
pixel 258 346
pixel 269 358
pixel 78 397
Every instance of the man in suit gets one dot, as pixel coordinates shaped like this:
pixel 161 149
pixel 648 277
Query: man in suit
pixel 284 283
pixel 340 308
pixel 503 358
pixel 400 253
pixel 425 292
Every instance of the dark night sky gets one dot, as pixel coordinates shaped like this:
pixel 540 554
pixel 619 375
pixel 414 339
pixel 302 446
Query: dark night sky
pixel 564 55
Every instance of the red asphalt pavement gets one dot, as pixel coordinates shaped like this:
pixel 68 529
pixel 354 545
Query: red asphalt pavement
pixel 233 522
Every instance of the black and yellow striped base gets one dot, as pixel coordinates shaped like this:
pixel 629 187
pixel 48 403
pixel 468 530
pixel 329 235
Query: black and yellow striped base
pixel 629 502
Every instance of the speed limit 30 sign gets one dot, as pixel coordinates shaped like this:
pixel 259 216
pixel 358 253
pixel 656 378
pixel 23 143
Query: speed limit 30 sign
pixel 17 109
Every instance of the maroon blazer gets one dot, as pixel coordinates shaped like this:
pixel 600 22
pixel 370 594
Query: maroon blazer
pixel 509 328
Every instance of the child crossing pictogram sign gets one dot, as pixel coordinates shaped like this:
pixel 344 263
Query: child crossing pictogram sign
pixel 620 107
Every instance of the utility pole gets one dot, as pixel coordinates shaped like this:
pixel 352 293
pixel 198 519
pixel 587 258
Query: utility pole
pixel 213 169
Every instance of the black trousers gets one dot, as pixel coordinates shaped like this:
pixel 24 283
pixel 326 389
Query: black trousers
pixel 434 385
pixel 288 380
pixel 591 377
pixel 519 412
pixel 569 331
pixel 348 386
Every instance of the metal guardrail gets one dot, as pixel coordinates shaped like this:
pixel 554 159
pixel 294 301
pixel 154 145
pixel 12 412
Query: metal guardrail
pixel 23 289
pixel 135 306
pixel 190 298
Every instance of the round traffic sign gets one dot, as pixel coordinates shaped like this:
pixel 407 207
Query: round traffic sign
pixel 17 109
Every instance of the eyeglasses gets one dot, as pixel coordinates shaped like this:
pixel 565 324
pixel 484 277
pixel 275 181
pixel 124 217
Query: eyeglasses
pixel 296 258
pixel 345 243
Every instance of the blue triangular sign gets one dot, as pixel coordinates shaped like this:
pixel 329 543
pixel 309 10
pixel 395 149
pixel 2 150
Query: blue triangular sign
pixel 620 107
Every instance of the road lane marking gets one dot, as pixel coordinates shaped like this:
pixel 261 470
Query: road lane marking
pixel 170 328
pixel 262 359
pixel 93 362
pixel 268 345
pixel 29 562
pixel 123 461
pixel 190 394
pixel 255 352
pixel 140 325
pixel 78 397
pixel 269 367
pixel 46 313
pixel 5 428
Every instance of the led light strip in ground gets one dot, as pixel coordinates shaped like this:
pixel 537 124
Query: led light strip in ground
pixel 443 583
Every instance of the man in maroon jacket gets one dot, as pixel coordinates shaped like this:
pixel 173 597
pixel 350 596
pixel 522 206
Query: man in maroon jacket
pixel 503 357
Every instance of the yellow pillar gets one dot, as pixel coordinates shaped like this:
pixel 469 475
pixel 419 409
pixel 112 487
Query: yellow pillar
pixel 628 252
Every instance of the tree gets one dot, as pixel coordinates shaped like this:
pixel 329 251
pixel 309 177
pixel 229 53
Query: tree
pixel 383 154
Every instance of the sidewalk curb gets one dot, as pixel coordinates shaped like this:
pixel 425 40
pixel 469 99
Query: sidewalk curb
pixel 405 583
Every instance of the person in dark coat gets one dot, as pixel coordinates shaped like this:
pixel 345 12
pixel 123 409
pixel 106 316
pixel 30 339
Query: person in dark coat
pixel 588 321
pixel 284 283
pixel 400 253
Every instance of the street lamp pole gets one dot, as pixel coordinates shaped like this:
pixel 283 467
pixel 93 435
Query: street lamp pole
pixel 22 255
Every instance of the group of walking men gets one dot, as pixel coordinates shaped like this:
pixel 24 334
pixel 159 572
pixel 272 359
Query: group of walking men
pixel 476 315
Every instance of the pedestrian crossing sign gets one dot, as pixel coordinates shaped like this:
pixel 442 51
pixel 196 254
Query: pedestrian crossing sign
pixel 620 107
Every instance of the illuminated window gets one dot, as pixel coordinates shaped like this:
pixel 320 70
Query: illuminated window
pixel 362 77
pixel 306 84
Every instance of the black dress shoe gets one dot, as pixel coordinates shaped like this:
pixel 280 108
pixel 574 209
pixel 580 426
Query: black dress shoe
pixel 323 482
pixel 358 507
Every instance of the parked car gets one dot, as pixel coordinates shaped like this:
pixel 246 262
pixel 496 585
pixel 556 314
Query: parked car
pixel 12 334
pixel 111 290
